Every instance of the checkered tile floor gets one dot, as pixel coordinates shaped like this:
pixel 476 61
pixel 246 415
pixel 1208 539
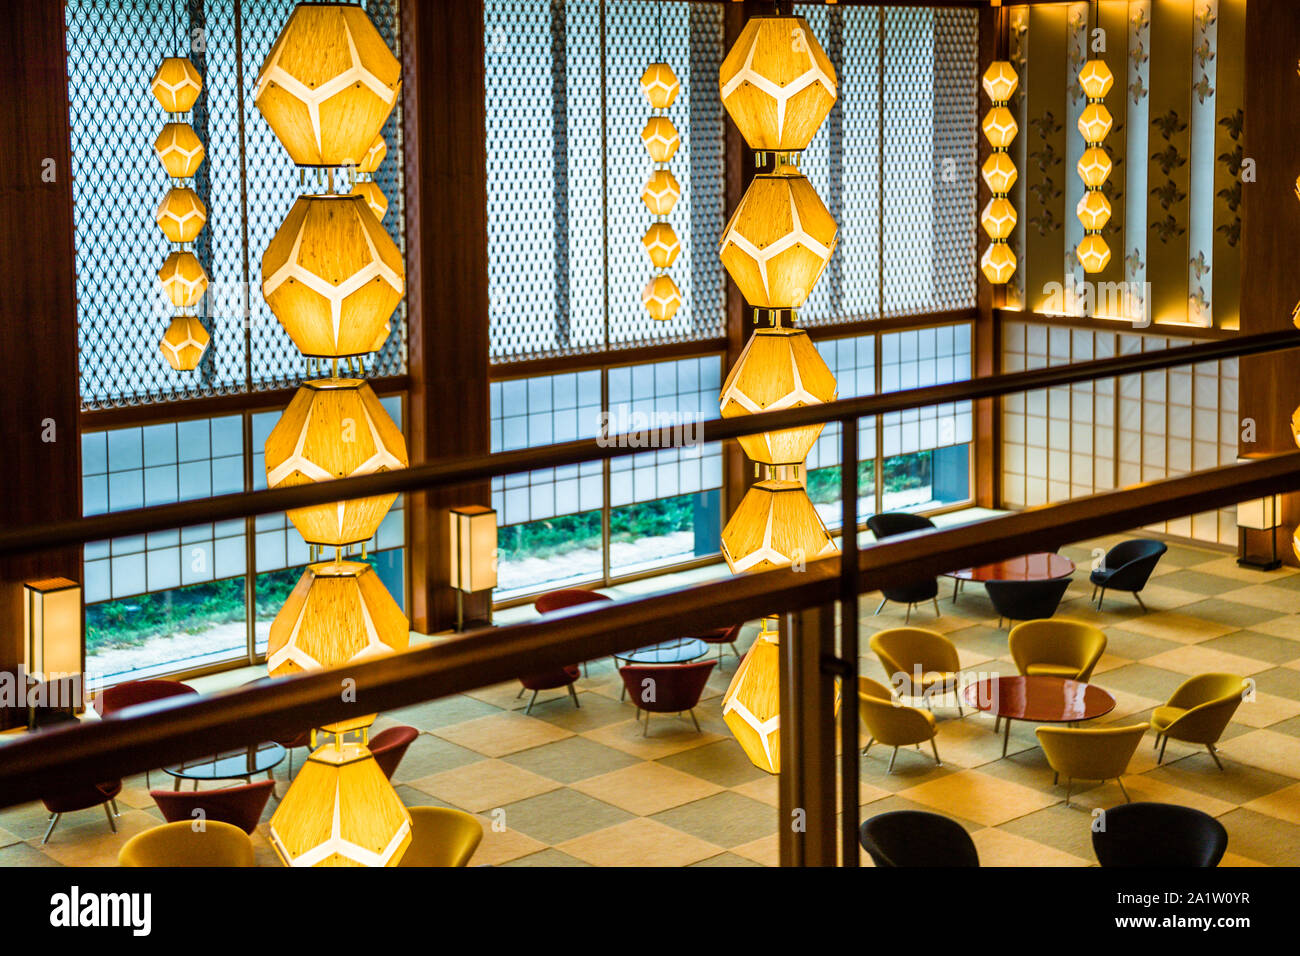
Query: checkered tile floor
pixel 566 786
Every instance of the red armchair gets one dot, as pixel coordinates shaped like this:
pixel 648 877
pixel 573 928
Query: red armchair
pixel 720 636
pixel 558 676
pixel 675 688
pixel 389 747
pixel 132 692
pixel 82 798
pixel 291 742
pixel 240 806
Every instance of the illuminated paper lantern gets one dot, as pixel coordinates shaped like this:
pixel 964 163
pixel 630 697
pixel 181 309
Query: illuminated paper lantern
pixel 1096 79
pixel 751 704
pixel 661 192
pixel 176 84
pixel 998 218
pixel 375 199
pixel 179 149
pixel 374 156
pixel 660 138
pixel 1093 253
pixel 998 263
pixel 181 214
pixel 659 85
pixel 1000 127
pixel 184 343
pixel 1095 123
pixel 661 244
pixel 1094 167
pixel 1000 81
pixel 183 279
pixel 774 526
pixel 1093 210
pixel 999 173
pixel 661 298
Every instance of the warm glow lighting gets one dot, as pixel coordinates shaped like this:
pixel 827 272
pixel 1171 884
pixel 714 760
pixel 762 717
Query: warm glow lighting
pixel 181 214
pixel 661 192
pixel 660 87
pixel 1093 210
pixel 1096 79
pixel 374 156
pixel 660 138
pixel 775 526
pixel 52 626
pixel 661 244
pixel 1000 81
pixel 1095 123
pixel 751 704
pixel 1094 167
pixel 375 199
pixel 1000 127
pixel 661 298
pixel 998 218
pixel 179 149
pixel 1093 253
pixel 999 173
pixel 473 549
pixel 176 84
pixel 1259 514
pixel 184 342
pixel 998 263
pixel 183 279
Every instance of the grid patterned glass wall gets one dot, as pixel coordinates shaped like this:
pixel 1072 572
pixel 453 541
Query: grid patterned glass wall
pixel 1071 441
pixel 917 358
pixel 114 46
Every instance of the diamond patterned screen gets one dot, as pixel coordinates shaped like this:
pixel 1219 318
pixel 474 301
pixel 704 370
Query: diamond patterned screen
pixel 247 182
pixel 566 166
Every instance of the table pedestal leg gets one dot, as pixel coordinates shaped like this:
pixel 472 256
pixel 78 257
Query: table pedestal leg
pixel 176 783
pixel 1006 736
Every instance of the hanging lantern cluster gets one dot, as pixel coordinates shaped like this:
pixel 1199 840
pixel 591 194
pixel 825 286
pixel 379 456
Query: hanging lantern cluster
pixel 999 216
pixel 1094 166
pixel 778 86
pixel 181 215
pixel 660 87
pixel 333 277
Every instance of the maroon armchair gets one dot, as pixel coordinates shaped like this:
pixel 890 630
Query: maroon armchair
pixel 389 747
pixel 240 806
pixel 82 798
pixel 568 597
pixel 721 636
pixel 291 742
pixel 132 692
pixel 676 688
pixel 557 676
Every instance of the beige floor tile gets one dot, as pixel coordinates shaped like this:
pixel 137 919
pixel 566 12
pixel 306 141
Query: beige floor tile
pixel 1283 804
pixel 506 696
pixel 979 797
pixel 1233 860
pixel 765 850
pixel 90 842
pixel 1000 848
pixel 1159 597
pixel 966 743
pixel 1281 600
pixel 502 734
pixel 1143 787
pixel 646 788
pixel 1172 626
pixel 1229 568
pixel 1288 627
pixel 1110 662
pixel 1265 710
pixel 1267 749
pixel 766 790
pixel 1194 659
pixel 7 838
pixel 1126 704
pixel 484 785
pixel 668 736
pixel 639 842
pixel 502 846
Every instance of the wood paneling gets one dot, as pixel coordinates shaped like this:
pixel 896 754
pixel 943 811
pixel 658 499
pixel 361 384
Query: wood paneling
pixel 987 346
pixel 40 469
pixel 447 281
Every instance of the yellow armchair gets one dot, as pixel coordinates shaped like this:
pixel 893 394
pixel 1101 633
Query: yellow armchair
pixel 1057 647
pixel 1091 753
pixel 919 663
pixel 892 723
pixel 441 837
pixel 1199 711
pixel 179 844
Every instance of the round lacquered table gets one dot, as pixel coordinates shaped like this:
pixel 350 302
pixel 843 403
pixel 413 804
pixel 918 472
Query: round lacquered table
pixel 241 764
pixel 1039 566
pixel 679 651
pixel 1044 700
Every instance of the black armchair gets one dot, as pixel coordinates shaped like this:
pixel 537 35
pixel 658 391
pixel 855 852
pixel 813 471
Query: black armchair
pixel 916 838
pixel 892 523
pixel 1026 600
pixel 1159 834
pixel 1126 567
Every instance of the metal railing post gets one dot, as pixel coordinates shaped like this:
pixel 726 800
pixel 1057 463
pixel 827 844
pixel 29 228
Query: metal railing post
pixel 847 665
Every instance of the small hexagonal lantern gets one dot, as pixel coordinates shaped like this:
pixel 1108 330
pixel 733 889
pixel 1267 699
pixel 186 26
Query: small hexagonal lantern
pixel 1096 79
pixel 661 192
pixel 778 241
pixel 1000 127
pixel 1000 81
pixel 332 275
pixel 176 84
pixel 1093 210
pixel 179 149
pixel 774 526
pixel 998 263
pixel 1095 123
pixel 1093 253
pixel 334 428
pixel 183 279
pixel 374 155
pixel 999 173
pixel 751 705
pixel 181 214
pixel 777 83
pixel 184 343
pixel 661 244
pixel 375 199
pixel 660 138
pixel 779 368
pixel 328 84
pixel 998 218
pixel 661 298
pixel 659 85
pixel 1094 166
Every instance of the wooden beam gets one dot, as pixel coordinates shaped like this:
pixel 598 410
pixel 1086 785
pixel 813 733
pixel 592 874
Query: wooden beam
pixel 987 340
pixel 445 137
pixel 40 468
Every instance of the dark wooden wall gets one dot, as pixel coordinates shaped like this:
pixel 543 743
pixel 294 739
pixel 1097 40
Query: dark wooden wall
pixel 39 478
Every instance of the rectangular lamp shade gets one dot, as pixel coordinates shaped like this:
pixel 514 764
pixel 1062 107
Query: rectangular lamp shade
pixel 473 548
pixel 1260 514
pixel 52 626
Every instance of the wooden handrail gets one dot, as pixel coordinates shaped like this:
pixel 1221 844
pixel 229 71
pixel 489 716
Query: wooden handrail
pixel 478 468
pixel 163 732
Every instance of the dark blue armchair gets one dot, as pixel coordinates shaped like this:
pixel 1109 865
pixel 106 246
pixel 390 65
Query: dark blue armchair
pixel 1126 567
pixel 1026 600
pixel 892 523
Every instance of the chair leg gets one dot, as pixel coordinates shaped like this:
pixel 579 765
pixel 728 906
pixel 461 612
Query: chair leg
pixel 574 694
pixel 147 784
pixel 645 732
pixel 882 605
pixel 521 692
pixel 1094 593
pixel 1140 604
pixel 935 747
pixel 113 804
pixel 1101 598
pixel 868 746
pixel 694 720
pixel 999 622
pixel 1056 777
pixel 997 724
pixel 908 618
pixel 1156 745
pixel 1163 744
pixel 936 607
pixel 531 700
pixel 109 813
pixel 54 822
pixel 1069 785
pixel 1215 754
pixel 1127 798
pixel 892 758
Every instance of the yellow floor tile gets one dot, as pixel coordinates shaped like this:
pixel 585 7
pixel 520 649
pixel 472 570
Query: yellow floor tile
pixel 1266 709
pixel 1283 804
pixel 1143 787
pixel 1288 627
pixel 1229 568
pixel 765 850
pixel 484 785
pixel 502 846
pixel 1172 626
pixel 1194 659
pixel 1158 597
pixel 667 736
pixel 502 734
pixel 1233 860
pixel 1000 848
pixel 84 838
pixel 646 788
pixel 1266 749
pixel 980 797
pixel 640 842
pixel 1281 600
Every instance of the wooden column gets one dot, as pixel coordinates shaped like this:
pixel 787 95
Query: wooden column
pixel 987 341
pixel 40 462
pixel 445 138
pixel 1270 285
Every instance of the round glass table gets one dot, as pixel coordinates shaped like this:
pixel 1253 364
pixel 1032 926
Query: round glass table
pixel 1041 699
pixel 1039 566
pixel 679 651
pixel 241 764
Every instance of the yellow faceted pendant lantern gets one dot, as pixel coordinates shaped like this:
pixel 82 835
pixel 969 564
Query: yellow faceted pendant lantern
pixel 374 156
pixel 775 526
pixel 1000 82
pixel 328 85
pixel 341 811
pixel 751 705
pixel 778 241
pixel 184 342
pixel 335 428
pixel 176 84
pixel 660 138
pixel 179 150
pixel 661 298
pixel 183 279
pixel 661 192
pixel 375 199
pixel 332 275
pixel 779 368
pixel 181 214
pixel 661 244
pixel 659 85
pixel 1094 166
